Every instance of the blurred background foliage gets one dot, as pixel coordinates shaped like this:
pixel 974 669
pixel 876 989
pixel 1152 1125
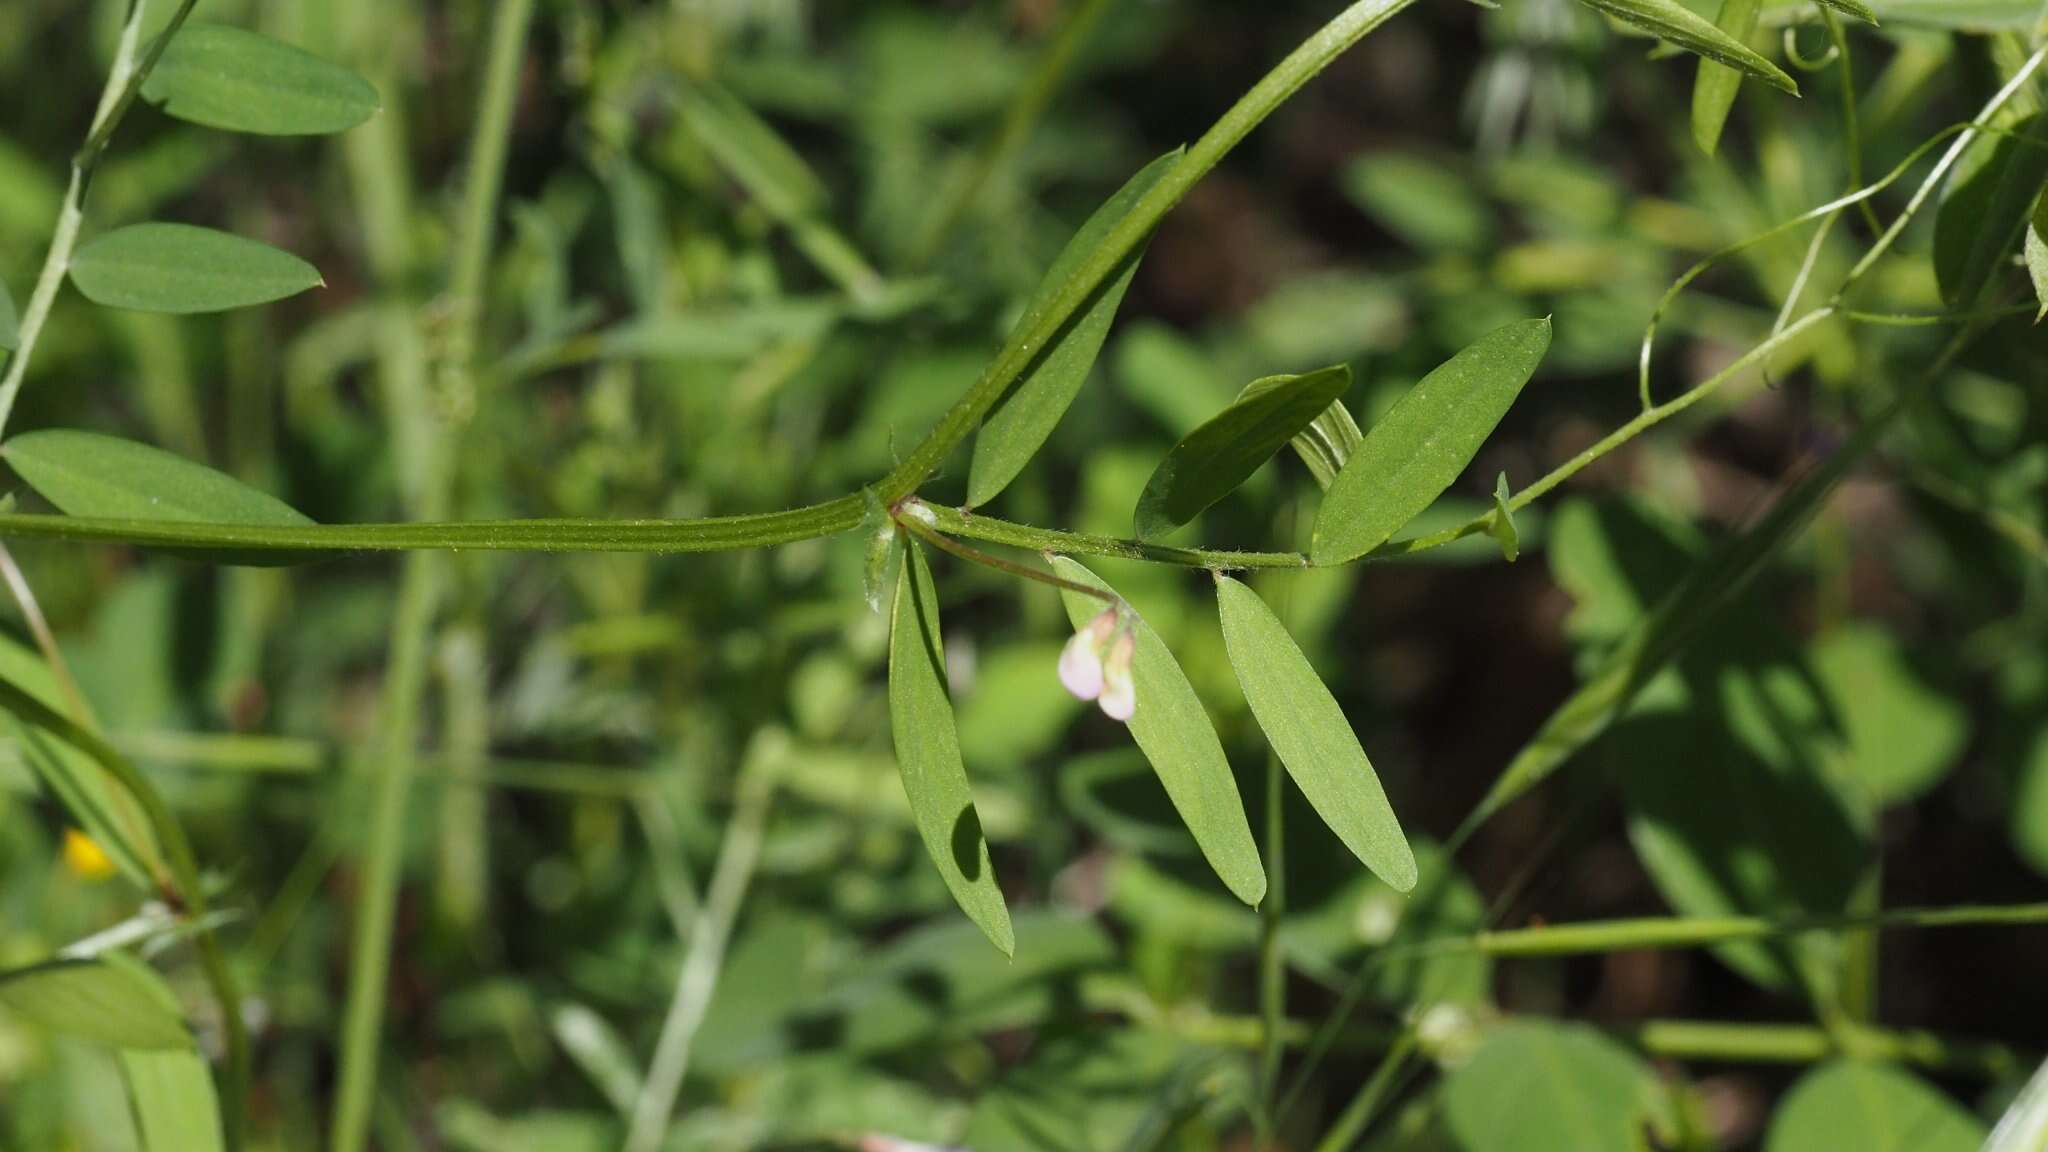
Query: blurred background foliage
pixel 750 252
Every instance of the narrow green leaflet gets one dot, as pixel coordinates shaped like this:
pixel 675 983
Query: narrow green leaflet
pixel 1852 1106
pixel 243 81
pixel 1308 731
pixel 1543 1087
pixel 1424 442
pixel 928 754
pixel 1174 731
pixel 2036 252
pixel 176 1108
pixel 1985 211
pixel 1713 92
pixel 1503 527
pixel 183 270
pixel 1017 428
pixel 771 171
pixel 1964 15
pixel 88 794
pixel 111 1000
pixel 1213 460
pixel 10 322
pixel 86 474
pixel 1672 21
pixel 1855 8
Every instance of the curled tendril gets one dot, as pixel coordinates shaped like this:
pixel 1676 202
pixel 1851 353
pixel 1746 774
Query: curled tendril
pixel 1803 62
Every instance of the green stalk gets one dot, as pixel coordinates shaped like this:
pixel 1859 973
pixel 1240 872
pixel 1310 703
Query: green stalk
pixel 1352 1122
pixel 132 65
pixel 1807 1044
pixel 698 979
pixel 429 483
pixel 1663 933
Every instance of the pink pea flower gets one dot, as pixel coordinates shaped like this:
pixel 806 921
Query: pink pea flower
pixel 1096 665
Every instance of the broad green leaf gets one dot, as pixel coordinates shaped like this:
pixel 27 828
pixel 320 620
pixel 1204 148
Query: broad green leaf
pixel 1674 22
pixel 1732 804
pixel 1544 1087
pixel 1307 730
pixel 1213 460
pixel 1173 730
pixel 928 754
pixel 86 474
pixel 1503 526
pixel 1854 1106
pixel 1425 440
pixel 172 1092
pixel 244 81
pixel 111 1000
pixel 1020 424
pixel 91 797
pixel 10 323
pixel 1903 735
pixel 1985 211
pixel 180 269
pixel 1713 91
pixel 176 1108
pixel 2024 1127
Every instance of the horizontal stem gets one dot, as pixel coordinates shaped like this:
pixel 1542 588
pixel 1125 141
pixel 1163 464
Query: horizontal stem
pixel 1652 933
pixel 1807 1044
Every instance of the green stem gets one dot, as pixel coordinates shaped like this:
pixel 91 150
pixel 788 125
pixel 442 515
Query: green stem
pixel 124 80
pixel 428 484
pixel 1351 1123
pixel 916 527
pixel 699 977
pixel 1025 346
pixel 1807 1044
pixel 1662 933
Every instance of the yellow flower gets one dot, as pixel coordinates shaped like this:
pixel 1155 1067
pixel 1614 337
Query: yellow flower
pixel 84 856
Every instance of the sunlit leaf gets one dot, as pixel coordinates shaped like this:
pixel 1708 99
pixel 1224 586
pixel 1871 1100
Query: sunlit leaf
pixel 1213 460
pixel 176 1108
pixel 1965 15
pixel 1430 205
pixel 177 268
pixel 243 81
pixel 86 474
pixel 1174 731
pixel 1853 1106
pixel 1425 440
pixel 928 754
pixel 1543 1087
pixel 1307 729
pixel 1903 734
pixel 1674 22
pixel 1714 90
pixel 1020 424
pixel 1985 211
pixel 110 1000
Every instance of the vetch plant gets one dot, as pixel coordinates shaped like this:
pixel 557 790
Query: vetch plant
pixel 609 328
